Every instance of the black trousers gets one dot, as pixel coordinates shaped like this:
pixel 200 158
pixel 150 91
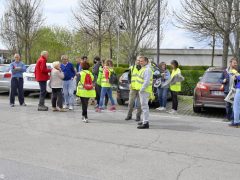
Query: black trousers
pixel 43 92
pixel 57 97
pixel 98 94
pixel 16 87
pixel 84 106
pixel 174 100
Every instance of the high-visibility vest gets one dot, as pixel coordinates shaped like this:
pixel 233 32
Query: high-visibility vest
pixel 81 92
pixel 177 86
pixel 134 76
pixel 140 81
pixel 99 79
pixel 104 81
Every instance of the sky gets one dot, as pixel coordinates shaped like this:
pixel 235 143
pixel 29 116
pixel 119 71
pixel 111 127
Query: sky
pixel 58 12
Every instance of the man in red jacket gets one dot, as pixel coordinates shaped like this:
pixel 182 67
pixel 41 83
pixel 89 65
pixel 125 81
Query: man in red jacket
pixel 42 76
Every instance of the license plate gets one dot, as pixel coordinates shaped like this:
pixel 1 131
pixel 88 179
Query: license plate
pixel 31 79
pixel 217 93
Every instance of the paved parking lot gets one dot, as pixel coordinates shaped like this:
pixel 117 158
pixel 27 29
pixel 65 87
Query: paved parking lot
pixel 46 145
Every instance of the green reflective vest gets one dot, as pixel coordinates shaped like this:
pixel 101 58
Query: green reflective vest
pixel 134 76
pixel 104 81
pixel 81 92
pixel 140 81
pixel 177 86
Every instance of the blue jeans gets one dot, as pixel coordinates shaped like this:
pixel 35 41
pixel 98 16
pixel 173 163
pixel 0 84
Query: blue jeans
pixel 236 107
pixel 162 96
pixel 104 91
pixel 229 110
pixel 68 90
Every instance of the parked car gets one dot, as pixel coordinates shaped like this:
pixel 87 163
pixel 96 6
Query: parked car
pixel 30 83
pixel 5 77
pixel 209 92
pixel 123 87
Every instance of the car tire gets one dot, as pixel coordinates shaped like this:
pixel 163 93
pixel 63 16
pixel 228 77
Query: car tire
pixel 120 101
pixel 197 109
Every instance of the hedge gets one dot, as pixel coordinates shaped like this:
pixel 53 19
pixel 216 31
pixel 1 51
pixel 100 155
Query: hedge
pixel 191 79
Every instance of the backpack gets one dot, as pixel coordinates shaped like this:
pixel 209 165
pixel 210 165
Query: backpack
pixel 88 84
pixel 113 78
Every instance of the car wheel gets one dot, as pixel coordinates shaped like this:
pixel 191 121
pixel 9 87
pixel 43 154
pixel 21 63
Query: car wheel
pixel 120 101
pixel 197 109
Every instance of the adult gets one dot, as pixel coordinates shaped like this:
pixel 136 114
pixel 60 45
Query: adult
pixel 175 88
pixel 228 74
pixel 56 83
pixel 68 84
pixel 163 91
pixel 42 76
pixel 144 85
pixel 106 86
pixel 83 92
pixel 236 105
pixel 134 93
pixel 17 69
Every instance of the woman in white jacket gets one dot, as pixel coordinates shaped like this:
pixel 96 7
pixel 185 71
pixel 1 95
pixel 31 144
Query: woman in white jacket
pixel 56 83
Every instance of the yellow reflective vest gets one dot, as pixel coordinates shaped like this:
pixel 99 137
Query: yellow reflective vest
pixel 104 81
pixel 81 92
pixel 140 81
pixel 134 76
pixel 177 86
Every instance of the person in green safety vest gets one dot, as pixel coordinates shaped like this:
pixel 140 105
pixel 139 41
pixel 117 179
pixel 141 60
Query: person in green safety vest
pixel 106 86
pixel 134 94
pixel 175 88
pixel 86 79
pixel 144 85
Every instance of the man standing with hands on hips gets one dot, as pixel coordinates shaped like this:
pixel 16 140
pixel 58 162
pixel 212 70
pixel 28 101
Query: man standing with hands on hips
pixel 144 85
pixel 17 69
pixel 42 76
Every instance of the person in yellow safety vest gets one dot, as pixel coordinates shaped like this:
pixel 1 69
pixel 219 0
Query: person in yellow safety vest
pixel 106 86
pixel 144 85
pixel 134 94
pixel 175 88
pixel 82 92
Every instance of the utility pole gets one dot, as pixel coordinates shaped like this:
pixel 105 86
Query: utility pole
pixel 158 32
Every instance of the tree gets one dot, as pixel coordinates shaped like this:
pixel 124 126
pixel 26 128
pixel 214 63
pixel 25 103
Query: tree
pixel 210 18
pixel 140 20
pixel 90 16
pixel 21 22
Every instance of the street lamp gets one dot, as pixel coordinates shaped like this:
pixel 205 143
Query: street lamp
pixel 120 27
pixel 158 32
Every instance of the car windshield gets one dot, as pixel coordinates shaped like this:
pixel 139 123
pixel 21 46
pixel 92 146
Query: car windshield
pixel 31 69
pixel 4 68
pixel 212 77
pixel 125 76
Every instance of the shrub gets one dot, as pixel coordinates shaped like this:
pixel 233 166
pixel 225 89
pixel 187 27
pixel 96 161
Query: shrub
pixel 191 79
pixel 120 70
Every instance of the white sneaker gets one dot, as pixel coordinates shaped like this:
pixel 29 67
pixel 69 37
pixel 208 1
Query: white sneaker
pixel 70 108
pixel 159 108
pixel 163 109
pixel 65 106
pixel 172 111
pixel 85 120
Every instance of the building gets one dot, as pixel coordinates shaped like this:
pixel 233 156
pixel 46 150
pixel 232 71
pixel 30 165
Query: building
pixel 188 57
pixel 4 55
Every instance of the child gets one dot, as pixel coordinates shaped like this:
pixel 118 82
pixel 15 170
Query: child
pixel 56 83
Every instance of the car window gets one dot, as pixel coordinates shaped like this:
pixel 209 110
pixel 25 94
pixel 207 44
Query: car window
pixel 125 76
pixel 4 68
pixel 31 69
pixel 212 77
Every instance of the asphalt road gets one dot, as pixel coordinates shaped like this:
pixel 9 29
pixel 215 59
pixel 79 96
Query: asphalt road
pixel 58 146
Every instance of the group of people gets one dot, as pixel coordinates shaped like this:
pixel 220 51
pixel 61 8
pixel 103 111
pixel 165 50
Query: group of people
pixel 231 84
pixel 96 83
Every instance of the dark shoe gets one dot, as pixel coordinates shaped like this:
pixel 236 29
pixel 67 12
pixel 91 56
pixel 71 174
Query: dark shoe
pixel 23 104
pixel 140 123
pixel 128 118
pixel 138 119
pixel 143 126
pixel 235 125
pixel 11 105
pixel 42 108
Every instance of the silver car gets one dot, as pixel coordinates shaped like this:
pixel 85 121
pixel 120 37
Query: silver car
pixel 30 83
pixel 5 77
